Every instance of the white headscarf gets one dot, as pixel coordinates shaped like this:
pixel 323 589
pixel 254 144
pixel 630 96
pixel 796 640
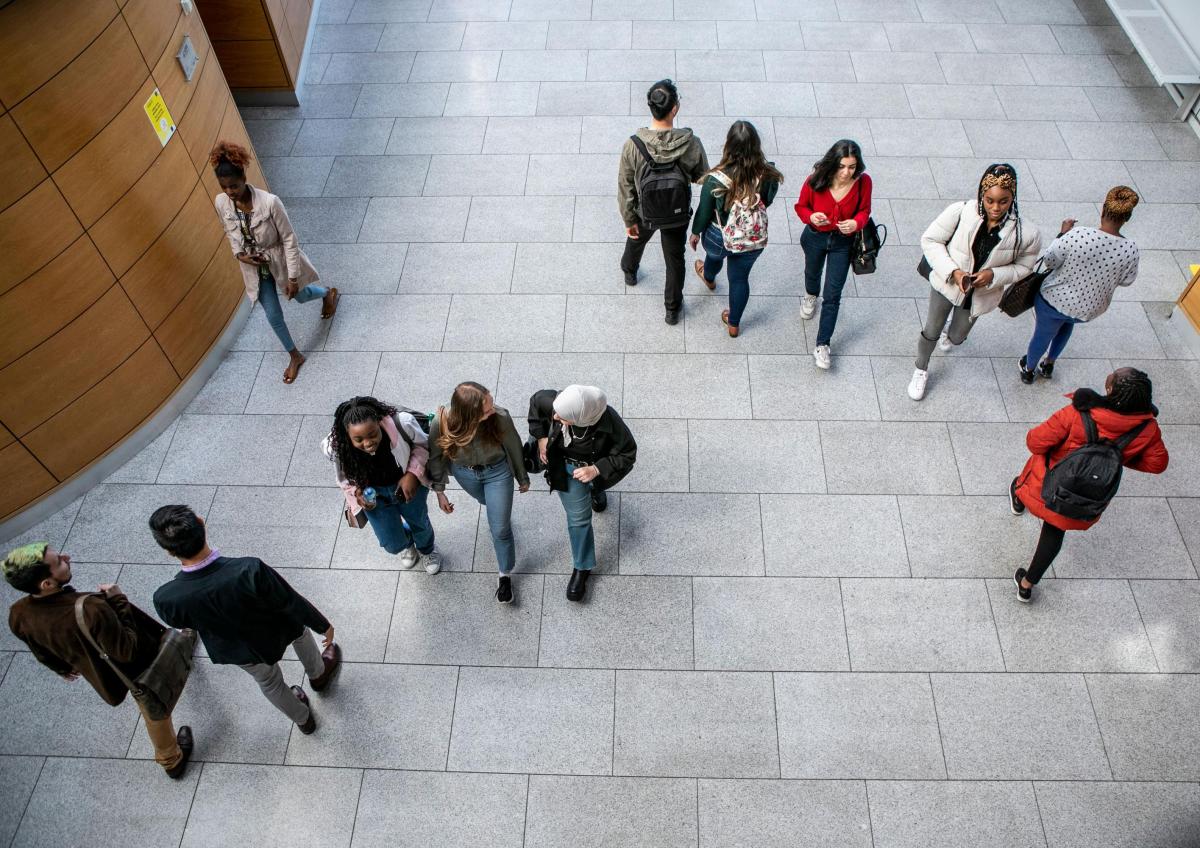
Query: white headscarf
pixel 581 405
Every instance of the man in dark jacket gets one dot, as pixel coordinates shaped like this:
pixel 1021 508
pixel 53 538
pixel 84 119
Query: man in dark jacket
pixel 45 621
pixel 245 613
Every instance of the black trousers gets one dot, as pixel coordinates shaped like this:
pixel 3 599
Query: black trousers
pixel 673 241
pixel 1050 542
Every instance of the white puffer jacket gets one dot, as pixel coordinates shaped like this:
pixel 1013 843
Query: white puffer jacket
pixel 946 244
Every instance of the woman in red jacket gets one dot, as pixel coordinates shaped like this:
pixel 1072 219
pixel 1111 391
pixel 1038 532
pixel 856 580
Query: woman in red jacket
pixel 1126 404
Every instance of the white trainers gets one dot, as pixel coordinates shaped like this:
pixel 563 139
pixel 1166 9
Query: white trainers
pixel 821 357
pixel 944 343
pixel 409 557
pixel 433 561
pixel 808 306
pixel 916 386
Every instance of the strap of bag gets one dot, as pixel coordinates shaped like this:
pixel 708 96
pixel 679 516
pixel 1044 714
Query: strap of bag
pixel 87 634
pixel 1127 439
pixel 1089 427
pixel 641 145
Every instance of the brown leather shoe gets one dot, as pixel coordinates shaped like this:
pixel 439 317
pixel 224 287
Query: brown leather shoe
pixel 186 744
pixel 332 657
pixel 309 726
pixel 733 330
pixel 699 268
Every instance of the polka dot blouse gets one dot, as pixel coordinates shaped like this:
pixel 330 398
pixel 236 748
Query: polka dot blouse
pixel 1086 266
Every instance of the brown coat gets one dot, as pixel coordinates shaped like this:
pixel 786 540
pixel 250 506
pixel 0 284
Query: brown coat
pixel 129 636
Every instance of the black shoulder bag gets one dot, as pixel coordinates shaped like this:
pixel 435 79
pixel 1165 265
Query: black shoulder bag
pixel 864 251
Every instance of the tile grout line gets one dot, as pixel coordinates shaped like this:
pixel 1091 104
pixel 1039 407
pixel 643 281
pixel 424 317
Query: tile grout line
pixel 937 720
pixel 391 615
pixel 778 744
pixel 845 626
pixel 453 715
pixel 1037 804
pixel 904 532
pixel 987 591
pixel 1145 629
pixel 191 804
pixel 1099 730
pixel 29 800
pixel 525 818
pixel 870 823
pixel 362 776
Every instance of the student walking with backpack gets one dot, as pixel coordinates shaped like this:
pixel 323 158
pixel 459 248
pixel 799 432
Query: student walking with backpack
pixel 1077 457
pixel 380 453
pixel 658 165
pixel 732 217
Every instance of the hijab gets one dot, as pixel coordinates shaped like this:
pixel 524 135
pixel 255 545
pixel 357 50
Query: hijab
pixel 581 405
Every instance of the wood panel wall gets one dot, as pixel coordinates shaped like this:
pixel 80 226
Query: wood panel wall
pixel 1189 301
pixel 259 42
pixel 115 278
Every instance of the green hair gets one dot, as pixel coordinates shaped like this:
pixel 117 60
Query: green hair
pixel 25 567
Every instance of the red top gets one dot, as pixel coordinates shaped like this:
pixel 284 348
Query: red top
pixel 822 201
pixel 1062 432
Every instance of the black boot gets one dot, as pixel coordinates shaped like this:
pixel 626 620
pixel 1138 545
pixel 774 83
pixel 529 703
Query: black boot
pixel 578 585
pixel 599 500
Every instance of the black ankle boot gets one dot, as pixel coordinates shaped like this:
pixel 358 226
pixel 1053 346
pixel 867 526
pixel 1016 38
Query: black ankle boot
pixel 599 500
pixel 578 585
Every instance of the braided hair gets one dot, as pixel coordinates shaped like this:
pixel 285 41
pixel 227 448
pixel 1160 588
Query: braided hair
pixel 357 410
pixel 1131 391
pixel 1004 175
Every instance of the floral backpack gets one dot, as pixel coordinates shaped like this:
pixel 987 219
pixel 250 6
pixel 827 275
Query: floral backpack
pixel 745 227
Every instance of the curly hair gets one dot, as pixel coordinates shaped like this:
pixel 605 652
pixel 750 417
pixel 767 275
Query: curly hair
pixel 1131 392
pixel 824 171
pixel 1003 175
pixel 229 159
pixel 1119 203
pixel 744 163
pixel 463 422
pixel 357 410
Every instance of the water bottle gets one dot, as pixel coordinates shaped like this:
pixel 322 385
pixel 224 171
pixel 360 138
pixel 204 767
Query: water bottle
pixel 369 497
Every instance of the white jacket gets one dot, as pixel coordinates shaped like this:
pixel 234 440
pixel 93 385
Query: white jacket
pixel 946 244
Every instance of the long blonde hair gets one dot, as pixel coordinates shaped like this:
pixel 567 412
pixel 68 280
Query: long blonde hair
pixel 463 422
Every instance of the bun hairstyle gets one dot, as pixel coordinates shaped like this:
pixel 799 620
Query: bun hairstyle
pixel 1119 203
pixel 229 159
pixel 662 97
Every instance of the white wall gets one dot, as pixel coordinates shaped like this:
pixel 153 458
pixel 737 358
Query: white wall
pixel 1186 15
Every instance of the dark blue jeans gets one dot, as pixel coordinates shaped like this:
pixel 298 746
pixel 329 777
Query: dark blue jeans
pixel 398 524
pixel 1051 332
pixel 739 270
pixel 830 251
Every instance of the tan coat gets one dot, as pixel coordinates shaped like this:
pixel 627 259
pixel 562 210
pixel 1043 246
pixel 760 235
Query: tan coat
pixel 275 238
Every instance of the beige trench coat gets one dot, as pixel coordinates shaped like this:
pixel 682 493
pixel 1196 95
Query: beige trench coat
pixel 275 238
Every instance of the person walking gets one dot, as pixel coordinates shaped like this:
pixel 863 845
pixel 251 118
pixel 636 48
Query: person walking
pixel 45 620
pixel 658 165
pixel 380 453
pixel 1086 266
pixel 973 250
pixel 1123 416
pixel 732 217
pixel 245 612
pixel 834 204
pixel 263 240
pixel 587 449
pixel 475 442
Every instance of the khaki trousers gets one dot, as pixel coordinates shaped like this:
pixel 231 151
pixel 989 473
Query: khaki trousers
pixel 167 752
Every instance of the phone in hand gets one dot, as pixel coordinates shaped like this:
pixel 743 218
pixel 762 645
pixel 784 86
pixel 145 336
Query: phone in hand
pixel 966 282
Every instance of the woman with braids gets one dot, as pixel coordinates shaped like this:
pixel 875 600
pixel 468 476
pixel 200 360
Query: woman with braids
pixel 974 249
pixel 743 177
pixel 475 441
pixel 263 240
pixel 1124 408
pixel 1086 265
pixel 380 454
pixel 834 204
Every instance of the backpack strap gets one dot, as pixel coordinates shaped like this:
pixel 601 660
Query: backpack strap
pixel 1127 438
pixel 1089 427
pixel 641 145
pixel 87 634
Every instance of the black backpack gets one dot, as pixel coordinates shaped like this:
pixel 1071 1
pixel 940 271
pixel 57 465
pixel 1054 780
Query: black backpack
pixel 1087 478
pixel 664 191
pixel 423 419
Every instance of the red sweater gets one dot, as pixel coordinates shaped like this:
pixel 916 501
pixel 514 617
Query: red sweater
pixel 822 201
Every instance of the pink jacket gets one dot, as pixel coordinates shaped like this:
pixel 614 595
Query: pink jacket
pixel 412 461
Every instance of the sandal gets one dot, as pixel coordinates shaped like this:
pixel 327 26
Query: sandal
pixel 699 266
pixel 733 330
pixel 327 310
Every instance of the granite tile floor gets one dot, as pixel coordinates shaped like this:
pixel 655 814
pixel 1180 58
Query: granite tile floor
pixel 802 631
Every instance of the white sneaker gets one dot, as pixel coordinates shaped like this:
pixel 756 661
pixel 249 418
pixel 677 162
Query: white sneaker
pixel 916 386
pixel 944 343
pixel 409 557
pixel 821 357
pixel 808 306
pixel 433 561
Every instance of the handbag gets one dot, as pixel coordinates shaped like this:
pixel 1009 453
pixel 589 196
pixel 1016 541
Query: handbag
pixel 1019 297
pixel 355 520
pixel 157 689
pixel 532 456
pixel 864 249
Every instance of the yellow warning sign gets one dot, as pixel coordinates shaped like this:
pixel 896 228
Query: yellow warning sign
pixel 160 118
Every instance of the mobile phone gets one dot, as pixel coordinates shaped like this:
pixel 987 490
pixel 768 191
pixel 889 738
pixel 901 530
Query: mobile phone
pixel 968 280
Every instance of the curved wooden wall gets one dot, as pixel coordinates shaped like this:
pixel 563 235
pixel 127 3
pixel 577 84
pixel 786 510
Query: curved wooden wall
pixel 115 278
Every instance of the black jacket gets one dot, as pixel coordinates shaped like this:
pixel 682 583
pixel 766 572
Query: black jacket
pixel 244 611
pixel 614 453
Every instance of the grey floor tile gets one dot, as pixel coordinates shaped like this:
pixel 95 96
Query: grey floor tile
pixel 858 726
pixel 272 807
pixel 1057 102
pixel 1014 38
pixel 565 98
pixel 1171 612
pixel 415 36
pixel 1015 138
pixel 808 66
pixel 358 176
pixel 455 536
pixel 794 99
pixel 522 374
pixel 532 135
pixel 590 35
pixel 1166 182
pixel 441 810
pixel 781 813
pixel 896 67
pixel 877 326
pixel 962 69
pixel 273 137
pixel 713 9
pixel 457 269
pixel 1035 403
pixel 1159 279
pixel 946 536
pixel 769 324
pixel 403 219
pixel 596 812
pixel 964 11
pixel 540 219
pixel 1083 181
pixel 305 325
pixel 452 619
pixel 316 101
pixel 549 65
pixel 975 713
pixel 779 457
pixel 927 625
pixel 662 464
pixel 913 216
pixel 297 176
pixel 535 322
pixel 595 221
pixel 959 389
pixel 621 65
pixel 455 66
pixel 564 173
pixel 358 603
pixel 638 10
pixel 437 135
pixel 1048 69
pixel 810 136
pixel 1132 104
pixel 1110 140
pixel 493 98
pixel 749 34
pixel 20 775
pixel 667 534
pixel 888 458
pixel 691 386
pixel 955 178
pixel 505 35
pixel 144 466
pixel 576 268
pixel 53 529
pixel 229 388
pixel 915 37
pixel 556 721
pixel 273 506
pixel 1120 815
pixel 919 137
pixel 258 449
pixel 400 100
pixel 326 219
pixel 469 10
pixel 836 35
pixel 790 387
pixel 111 525
pixel 1137 537
pixel 326 380
pixel 368 67
pixel 346 38
pixel 1186 226
pixel 902 176
pixel 407 708
pixel 981 813
pixel 818 535
pixel 1174 138
pixel 440 372
pixel 1148 722
pixel 1187 513
pixel 769 624
pixel 695 723
pixel 625 622
pixel 359 268
pixel 384 11
pixel 851 99
pixel 719 65
pixel 809 10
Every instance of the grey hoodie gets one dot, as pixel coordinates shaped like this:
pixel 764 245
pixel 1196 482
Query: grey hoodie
pixel 665 146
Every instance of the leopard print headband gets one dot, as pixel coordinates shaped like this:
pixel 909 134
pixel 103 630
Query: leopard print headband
pixel 1005 181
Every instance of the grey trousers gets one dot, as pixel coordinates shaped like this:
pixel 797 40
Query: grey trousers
pixel 270 678
pixel 935 318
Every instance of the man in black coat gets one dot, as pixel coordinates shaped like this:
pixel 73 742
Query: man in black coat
pixel 245 613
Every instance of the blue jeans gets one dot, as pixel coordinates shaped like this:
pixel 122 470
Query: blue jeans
pixel 493 487
pixel 1051 332
pixel 739 271
pixel 830 251
pixel 399 525
pixel 268 296
pixel 577 501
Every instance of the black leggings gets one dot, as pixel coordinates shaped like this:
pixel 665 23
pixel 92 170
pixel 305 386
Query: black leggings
pixel 1049 544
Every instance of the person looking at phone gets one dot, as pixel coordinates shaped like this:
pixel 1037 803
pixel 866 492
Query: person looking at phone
pixel 974 250
pixel 263 240
pixel 380 453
